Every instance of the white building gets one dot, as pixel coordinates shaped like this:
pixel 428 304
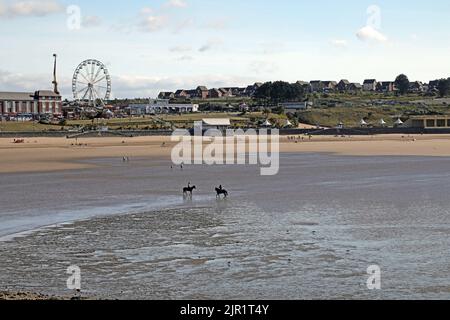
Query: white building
pixel 220 124
pixel 158 106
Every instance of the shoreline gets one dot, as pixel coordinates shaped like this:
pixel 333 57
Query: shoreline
pixel 60 154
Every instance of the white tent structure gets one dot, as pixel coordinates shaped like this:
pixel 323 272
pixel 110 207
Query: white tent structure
pixel 383 123
pixel 363 123
pixel 267 124
pixel 288 124
pixel 399 122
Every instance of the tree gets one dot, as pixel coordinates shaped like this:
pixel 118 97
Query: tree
pixel 279 91
pixel 444 87
pixel 402 84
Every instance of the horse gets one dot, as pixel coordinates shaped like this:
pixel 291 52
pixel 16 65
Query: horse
pixel 188 190
pixel 221 192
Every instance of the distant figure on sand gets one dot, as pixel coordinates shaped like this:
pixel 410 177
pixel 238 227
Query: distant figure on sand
pixel 188 190
pixel 221 191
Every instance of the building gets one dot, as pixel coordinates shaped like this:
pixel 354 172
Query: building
pixel 305 85
pixel 219 124
pixel 214 94
pixel 355 87
pixel 292 107
pixel 386 86
pixel 343 85
pixel 43 102
pixel 226 92
pixel 166 95
pixel 433 86
pixel 182 94
pixel 161 106
pixel 370 85
pixel 316 86
pixel 416 87
pixel 428 122
pixel 202 92
pixel 251 90
pixel 329 86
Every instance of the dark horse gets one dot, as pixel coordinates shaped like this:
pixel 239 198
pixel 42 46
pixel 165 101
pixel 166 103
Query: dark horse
pixel 220 192
pixel 188 190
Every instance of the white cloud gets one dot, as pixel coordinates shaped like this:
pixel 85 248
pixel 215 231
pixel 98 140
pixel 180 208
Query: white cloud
pixel 369 33
pixel 152 23
pixel 91 21
pixel 180 49
pixel 217 24
pixel 176 3
pixel 260 67
pixel 31 8
pixel 339 43
pixel 211 44
pixel 183 25
pixel 185 58
pixel 141 86
pixel 146 11
pixel 18 82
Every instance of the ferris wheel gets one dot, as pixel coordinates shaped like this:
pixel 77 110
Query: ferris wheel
pixel 91 84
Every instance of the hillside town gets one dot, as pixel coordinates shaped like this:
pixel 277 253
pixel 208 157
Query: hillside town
pixel 317 103
pixel 316 86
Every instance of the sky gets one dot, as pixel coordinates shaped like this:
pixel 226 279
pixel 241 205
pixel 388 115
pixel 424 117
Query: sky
pixel 165 45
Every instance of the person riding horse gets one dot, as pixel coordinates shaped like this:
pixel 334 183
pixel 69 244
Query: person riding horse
pixel 189 190
pixel 221 191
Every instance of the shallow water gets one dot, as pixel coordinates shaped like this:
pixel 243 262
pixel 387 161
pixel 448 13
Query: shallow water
pixel 308 233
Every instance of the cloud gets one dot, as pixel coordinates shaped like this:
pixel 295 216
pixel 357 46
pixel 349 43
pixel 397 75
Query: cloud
pixel 92 21
pixel 180 49
pixel 152 23
pixel 183 25
pixel 369 33
pixel 217 24
pixel 259 67
pixel 176 4
pixel 339 43
pixel 185 58
pixel 31 8
pixel 210 45
pixel 140 86
pixel 18 82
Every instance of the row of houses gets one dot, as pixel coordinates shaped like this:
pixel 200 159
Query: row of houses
pixel 203 92
pixel 369 85
pixel 319 86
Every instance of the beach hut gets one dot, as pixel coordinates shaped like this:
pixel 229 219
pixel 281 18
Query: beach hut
pixel 339 126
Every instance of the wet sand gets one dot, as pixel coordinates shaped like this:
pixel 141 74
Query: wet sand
pixel 310 233
pixel 52 154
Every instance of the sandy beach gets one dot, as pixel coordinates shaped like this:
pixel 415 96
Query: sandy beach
pixel 54 154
